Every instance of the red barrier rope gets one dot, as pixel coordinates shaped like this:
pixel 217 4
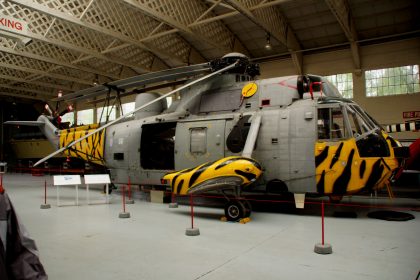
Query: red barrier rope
pixel 319 203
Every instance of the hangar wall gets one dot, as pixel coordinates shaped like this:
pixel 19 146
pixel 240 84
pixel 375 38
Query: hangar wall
pixel 385 109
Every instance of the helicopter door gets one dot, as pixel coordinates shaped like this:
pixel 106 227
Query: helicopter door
pixel 198 142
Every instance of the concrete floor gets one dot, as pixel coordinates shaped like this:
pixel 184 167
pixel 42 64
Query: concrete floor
pixel 91 242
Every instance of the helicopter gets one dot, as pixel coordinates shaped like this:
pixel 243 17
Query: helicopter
pixel 232 132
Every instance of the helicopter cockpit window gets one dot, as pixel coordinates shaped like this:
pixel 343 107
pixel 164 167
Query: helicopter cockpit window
pixel 157 146
pixel 358 125
pixel 365 116
pixel 331 124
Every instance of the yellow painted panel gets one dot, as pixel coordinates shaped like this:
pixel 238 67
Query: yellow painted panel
pixel 340 170
pixel 90 149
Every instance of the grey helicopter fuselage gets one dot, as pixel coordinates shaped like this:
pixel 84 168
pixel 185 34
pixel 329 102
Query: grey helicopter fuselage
pixel 214 124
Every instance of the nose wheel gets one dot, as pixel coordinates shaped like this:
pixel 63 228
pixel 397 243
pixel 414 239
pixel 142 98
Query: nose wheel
pixel 235 210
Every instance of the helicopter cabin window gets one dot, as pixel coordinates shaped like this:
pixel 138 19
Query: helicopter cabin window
pixel 331 124
pixel 157 146
pixel 198 140
pixel 220 100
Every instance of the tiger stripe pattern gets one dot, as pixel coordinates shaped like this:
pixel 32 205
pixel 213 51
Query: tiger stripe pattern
pixel 340 170
pixel 246 170
pixel 90 149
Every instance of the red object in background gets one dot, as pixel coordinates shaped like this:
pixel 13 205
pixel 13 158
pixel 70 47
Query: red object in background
pixel 1 184
pixel 411 114
pixel 413 162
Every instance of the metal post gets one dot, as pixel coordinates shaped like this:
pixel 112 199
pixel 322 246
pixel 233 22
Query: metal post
pixel 322 248
pixel 322 214
pixel 124 214
pixel 192 231
pixel 45 205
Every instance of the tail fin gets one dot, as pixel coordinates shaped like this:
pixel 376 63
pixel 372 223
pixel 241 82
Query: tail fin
pixel 46 126
pixel 27 123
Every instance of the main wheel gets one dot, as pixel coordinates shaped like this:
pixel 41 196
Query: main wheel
pixel 235 210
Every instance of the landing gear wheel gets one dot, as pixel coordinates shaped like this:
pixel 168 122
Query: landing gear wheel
pixel 235 210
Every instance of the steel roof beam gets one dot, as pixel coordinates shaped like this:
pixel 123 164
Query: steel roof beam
pixel 33 91
pixel 47 74
pixel 285 36
pixel 22 96
pixel 341 10
pixel 136 68
pixel 78 21
pixel 42 84
pixel 57 62
pixel 178 26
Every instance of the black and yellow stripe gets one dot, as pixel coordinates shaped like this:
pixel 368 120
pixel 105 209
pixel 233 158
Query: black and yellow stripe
pixel 340 170
pixel 215 175
pixel 90 149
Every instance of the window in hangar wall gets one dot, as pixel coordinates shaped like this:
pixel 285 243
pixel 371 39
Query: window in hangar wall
pixel 68 118
pixel 392 81
pixel 102 112
pixel 131 106
pixel 344 83
pixel 128 107
pixel 85 117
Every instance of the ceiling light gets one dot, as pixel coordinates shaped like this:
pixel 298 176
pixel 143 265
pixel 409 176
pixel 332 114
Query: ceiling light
pixel 268 43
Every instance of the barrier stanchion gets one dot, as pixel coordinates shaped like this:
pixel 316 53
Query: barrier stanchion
pixel 129 199
pixel 192 231
pixel 45 205
pixel 173 203
pixel 124 214
pixel 1 183
pixel 322 248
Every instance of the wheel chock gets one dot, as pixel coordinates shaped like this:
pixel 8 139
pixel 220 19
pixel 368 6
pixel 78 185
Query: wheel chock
pixel 223 219
pixel 245 220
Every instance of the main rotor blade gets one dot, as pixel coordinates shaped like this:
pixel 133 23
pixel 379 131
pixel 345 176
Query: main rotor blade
pixel 135 110
pixel 167 75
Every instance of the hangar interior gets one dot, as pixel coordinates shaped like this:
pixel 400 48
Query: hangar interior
pixel 50 49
